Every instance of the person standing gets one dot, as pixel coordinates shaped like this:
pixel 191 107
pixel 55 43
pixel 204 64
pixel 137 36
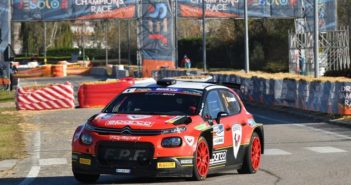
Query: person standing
pixel 12 70
pixel 186 62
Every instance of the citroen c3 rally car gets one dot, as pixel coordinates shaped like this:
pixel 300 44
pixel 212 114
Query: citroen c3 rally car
pixel 168 129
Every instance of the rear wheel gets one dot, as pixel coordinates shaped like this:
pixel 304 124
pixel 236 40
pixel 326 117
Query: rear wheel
pixel 252 158
pixel 202 160
pixel 86 178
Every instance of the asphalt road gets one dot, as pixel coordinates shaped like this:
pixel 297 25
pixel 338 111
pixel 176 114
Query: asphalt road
pixel 299 151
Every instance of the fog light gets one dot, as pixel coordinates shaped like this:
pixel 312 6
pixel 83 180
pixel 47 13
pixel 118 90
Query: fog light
pixel 171 142
pixel 86 139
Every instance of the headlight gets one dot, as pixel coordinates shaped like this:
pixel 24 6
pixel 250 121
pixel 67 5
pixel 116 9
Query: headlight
pixel 86 139
pixel 174 130
pixel 171 142
pixel 77 133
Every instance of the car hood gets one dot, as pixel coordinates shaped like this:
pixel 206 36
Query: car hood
pixel 135 121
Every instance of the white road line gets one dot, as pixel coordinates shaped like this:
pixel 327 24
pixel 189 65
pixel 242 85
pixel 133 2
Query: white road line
pixel 324 150
pixel 52 161
pixel 323 131
pixel 274 151
pixel 36 147
pixel 34 171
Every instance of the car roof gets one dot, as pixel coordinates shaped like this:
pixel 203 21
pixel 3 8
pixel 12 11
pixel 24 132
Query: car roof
pixel 180 84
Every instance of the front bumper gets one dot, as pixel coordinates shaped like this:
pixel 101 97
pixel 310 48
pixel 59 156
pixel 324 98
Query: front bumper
pixel 160 167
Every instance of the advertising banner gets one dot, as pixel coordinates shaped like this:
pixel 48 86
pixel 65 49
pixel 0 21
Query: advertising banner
pixel 263 9
pixel 156 34
pixel 221 8
pixel 5 22
pixel 327 15
pixel 235 8
pixel 54 10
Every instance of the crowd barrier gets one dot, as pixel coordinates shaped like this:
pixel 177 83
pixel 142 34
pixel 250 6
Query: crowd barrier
pixel 60 70
pixel 319 96
pixel 99 94
pixel 58 96
pixel 42 71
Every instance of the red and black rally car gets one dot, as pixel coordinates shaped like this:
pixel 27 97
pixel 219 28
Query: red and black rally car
pixel 168 129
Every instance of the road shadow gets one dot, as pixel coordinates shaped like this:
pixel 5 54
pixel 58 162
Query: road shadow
pixel 107 179
pixel 284 115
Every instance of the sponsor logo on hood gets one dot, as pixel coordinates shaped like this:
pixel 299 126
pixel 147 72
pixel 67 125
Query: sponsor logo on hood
pixel 129 122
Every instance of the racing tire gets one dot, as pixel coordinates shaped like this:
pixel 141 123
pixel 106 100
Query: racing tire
pixel 86 178
pixel 252 159
pixel 201 160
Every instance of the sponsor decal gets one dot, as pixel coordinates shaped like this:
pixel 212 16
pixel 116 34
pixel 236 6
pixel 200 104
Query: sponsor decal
pixel 231 99
pixel 186 161
pixel 189 140
pixel 218 134
pixel 202 127
pixel 143 90
pixel 124 138
pixel 218 157
pixel 166 165
pixel 237 136
pixel 167 89
pixel 174 119
pixel 131 90
pixel 136 117
pixel 124 154
pixel 129 122
pixel 43 4
pixel 85 161
pixel 122 170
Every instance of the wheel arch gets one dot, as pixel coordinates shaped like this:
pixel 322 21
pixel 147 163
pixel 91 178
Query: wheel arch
pixel 260 132
pixel 207 134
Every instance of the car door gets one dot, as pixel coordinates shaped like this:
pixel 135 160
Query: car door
pixel 214 105
pixel 233 126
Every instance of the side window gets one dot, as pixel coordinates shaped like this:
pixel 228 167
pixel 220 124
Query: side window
pixel 231 102
pixel 213 104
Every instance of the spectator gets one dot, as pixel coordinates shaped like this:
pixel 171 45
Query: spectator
pixel 186 62
pixel 12 70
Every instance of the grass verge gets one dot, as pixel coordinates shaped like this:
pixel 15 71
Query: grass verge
pixel 11 135
pixel 7 96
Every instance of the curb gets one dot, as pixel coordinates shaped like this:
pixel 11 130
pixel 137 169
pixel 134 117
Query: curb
pixel 340 123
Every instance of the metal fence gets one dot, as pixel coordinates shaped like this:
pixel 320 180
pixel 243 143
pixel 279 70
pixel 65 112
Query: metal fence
pixel 334 51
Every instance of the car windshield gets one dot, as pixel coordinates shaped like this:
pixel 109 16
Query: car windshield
pixel 160 101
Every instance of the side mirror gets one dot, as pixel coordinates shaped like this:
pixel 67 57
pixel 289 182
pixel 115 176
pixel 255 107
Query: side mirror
pixel 221 115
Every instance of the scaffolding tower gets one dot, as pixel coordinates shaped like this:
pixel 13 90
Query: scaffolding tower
pixel 334 51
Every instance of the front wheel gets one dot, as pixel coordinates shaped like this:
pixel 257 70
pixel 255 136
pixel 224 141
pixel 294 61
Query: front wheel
pixel 252 159
pixel 202 160
pixel 86 178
